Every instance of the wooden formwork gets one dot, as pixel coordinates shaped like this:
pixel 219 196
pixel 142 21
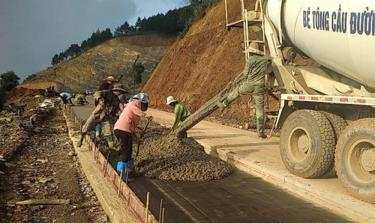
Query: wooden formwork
pixel 124 191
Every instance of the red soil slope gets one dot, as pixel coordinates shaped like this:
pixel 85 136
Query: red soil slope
pixel 198 66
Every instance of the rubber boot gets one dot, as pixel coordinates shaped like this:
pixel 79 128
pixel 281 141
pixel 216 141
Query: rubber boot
pixel 121 166
pixel 222 105
pixel 81 139
pixel 260 128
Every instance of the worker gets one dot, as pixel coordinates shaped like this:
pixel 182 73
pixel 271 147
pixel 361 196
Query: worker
pixel 180 110
pixel 255 71
pixel 107 83
pixel 125 129
pixel 104 114
pixel 121 92
pixel 66 98
pixel 81 99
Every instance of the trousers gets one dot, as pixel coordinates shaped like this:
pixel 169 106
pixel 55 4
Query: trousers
pixel 126 145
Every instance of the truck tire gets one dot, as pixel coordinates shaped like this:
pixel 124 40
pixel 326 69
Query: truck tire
pixel 338 124
pixel 355 159
pixel 307 143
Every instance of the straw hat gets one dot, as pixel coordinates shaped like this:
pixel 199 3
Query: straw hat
pixel 110 78
pixel 119 87
pixel 170 100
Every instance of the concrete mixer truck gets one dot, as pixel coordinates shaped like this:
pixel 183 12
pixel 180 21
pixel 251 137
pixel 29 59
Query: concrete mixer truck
pixel 323 59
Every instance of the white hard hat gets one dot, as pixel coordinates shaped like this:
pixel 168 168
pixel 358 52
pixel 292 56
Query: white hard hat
pixel 142 97
pixel 170 100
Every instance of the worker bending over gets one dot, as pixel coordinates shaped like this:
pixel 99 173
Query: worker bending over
pixel 125 129
pixel 66 98
pixel 255 71
pixel 180 110
pixel 81 99
pixel 104 114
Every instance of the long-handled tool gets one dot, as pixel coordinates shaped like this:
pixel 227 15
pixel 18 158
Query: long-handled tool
pixel 149 119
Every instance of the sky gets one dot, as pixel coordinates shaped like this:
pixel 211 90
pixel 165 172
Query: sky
pixel 32 31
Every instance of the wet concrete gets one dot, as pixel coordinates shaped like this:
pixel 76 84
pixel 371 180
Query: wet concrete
pixel 237 198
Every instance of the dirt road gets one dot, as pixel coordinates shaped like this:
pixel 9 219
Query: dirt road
pixel 238 198
pixel 47 168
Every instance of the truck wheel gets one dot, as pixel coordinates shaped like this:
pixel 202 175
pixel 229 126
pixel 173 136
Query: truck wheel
pixel 307 143
pixel 338 124
pixel 355 159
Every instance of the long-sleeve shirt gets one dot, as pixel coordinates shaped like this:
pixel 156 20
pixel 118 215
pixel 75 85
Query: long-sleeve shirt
pixel 80 98
pixel 130 117
pixel 182 112
pixel 66 95
pixel 255 69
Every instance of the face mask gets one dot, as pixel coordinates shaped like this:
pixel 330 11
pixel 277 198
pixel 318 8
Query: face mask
pixel 144 106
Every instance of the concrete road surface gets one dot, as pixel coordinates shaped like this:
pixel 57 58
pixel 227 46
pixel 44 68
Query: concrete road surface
pixel 240 197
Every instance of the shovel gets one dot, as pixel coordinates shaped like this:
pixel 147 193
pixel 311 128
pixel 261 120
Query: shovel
pixel 142 134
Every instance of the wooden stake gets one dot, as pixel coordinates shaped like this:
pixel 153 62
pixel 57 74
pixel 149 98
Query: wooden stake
pixel 162 216
pixel 147 204
pixel 160 209
pixel 106 163
pixel 43 202
pixel 120 184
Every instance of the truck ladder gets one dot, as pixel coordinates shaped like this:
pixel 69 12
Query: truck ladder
pixel 249 17
pixel 255 16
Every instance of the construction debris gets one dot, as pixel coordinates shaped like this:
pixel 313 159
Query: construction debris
pixel 166 157
pixel 44 202
pixel 11 135
pixel 41 170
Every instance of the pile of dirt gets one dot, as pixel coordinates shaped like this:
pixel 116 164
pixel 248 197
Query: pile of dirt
pixel 113 57
pixel 18 93
pixel 166 157
pixel 198 66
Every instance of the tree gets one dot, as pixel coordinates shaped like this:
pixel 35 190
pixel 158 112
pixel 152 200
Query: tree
pixel 8 80
pixel 55 60
pixel 30 77
pixel 2 98
pixel 73 51
pixel 138 69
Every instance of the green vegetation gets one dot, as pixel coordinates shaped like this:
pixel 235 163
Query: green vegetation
pixel 74 50
pixel 8 81
pixel 138 69
pixel 30 77
pixel 175 22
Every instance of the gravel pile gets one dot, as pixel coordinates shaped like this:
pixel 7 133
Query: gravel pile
pixel 165 157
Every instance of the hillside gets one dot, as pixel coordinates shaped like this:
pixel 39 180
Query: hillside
pixel 113 57
pixel 198 66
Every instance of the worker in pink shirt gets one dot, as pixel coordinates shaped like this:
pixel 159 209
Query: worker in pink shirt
pixel 125 128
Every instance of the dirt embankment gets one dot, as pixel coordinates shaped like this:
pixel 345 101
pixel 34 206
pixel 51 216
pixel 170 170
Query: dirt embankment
pixel 198 66
pixel 113 57
pixel 43 167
